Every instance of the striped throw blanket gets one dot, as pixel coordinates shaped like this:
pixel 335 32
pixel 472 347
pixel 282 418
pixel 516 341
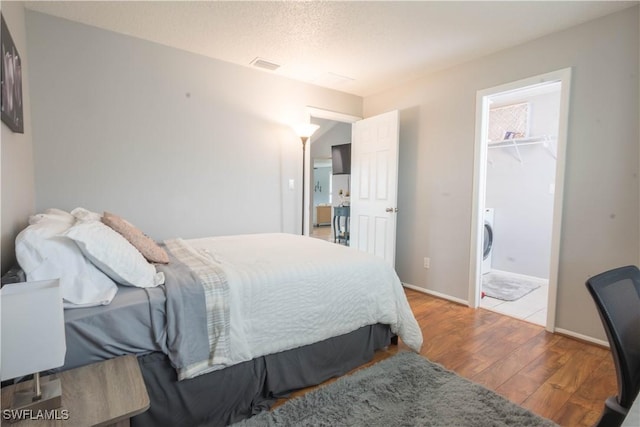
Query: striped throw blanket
pixel 210 276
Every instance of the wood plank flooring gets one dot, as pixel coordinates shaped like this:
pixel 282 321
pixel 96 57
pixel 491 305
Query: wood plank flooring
pixel 557 377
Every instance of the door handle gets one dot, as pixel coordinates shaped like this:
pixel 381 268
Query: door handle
pixel 391 210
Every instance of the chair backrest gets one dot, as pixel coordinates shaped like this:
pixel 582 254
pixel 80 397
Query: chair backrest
pixel 617 296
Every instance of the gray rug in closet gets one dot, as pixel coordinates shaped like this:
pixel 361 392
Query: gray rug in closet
pixel 507 287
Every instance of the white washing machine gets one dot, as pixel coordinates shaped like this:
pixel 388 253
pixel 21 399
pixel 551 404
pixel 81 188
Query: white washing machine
pixel 487 240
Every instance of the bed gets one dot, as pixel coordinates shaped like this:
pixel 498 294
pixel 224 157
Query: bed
pixel 242 320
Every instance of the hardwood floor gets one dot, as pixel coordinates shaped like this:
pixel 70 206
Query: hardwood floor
pixel 324 232
pixel 557 377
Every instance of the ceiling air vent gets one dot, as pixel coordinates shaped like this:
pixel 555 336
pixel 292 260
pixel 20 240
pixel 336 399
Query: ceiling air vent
pixel 264 64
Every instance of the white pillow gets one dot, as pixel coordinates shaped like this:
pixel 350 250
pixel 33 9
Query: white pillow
pixel 52 214
pixel 43 255
pixel 82 214
pixel 113 254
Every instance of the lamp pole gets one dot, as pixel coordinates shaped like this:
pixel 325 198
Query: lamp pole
pixel 304 131
pixel 304 140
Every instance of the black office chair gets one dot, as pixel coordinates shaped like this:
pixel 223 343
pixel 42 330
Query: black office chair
pixel 617 296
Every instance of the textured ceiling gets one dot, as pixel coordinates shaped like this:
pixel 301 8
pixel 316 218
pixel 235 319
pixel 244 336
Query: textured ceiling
pixel 376 45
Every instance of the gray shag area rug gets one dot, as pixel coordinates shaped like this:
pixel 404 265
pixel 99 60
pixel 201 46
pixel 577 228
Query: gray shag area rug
pixel 507 287
pixel 404 390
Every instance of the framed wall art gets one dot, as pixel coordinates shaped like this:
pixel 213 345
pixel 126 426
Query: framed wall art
pixel 12 113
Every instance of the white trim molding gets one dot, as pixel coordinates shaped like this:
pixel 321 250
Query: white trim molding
pixel 436 294
pixel 582 337
pixel 321 113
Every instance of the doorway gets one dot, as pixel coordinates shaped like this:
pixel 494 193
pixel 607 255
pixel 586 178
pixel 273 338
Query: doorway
pixel 518 186
pixel 326 190
pixel 329 187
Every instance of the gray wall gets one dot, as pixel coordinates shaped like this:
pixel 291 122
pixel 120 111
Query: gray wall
pixel 18 190
pixel 179 144
pixel 437 125
pixel 338 133
pixel 519 194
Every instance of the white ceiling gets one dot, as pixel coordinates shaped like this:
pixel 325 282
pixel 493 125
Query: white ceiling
pixel 376 45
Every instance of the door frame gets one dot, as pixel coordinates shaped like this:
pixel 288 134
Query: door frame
pixel 479 184
pixel 319 113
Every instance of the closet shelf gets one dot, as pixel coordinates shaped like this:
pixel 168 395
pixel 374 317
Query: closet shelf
pixel 544 140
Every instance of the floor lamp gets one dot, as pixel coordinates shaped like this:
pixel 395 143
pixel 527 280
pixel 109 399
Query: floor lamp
pixel 304 131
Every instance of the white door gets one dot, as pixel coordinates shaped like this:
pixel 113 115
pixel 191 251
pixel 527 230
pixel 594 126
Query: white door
pixel 374 185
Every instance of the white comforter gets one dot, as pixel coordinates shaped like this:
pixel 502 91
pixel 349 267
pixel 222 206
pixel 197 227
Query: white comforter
pixel 287 291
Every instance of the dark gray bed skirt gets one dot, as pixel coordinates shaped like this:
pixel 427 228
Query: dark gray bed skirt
pixel 237 392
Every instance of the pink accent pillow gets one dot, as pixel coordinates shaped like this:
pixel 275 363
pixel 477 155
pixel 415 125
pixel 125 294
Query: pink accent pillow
pixel 143 243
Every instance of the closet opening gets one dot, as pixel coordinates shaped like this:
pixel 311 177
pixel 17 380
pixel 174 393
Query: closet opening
pixel 518 186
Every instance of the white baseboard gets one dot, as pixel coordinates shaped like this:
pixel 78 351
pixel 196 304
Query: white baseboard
pixel 582 337
pixel 436 294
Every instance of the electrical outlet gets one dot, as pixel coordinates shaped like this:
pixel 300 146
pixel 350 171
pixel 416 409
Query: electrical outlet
pixel 427 262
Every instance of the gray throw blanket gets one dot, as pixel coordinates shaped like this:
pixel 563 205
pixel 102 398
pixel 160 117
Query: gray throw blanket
pixel 197 311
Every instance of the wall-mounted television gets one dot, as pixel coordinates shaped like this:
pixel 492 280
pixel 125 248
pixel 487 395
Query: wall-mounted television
pixel 341 159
